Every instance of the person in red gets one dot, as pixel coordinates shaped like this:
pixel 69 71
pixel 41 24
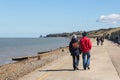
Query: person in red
pixel 85 47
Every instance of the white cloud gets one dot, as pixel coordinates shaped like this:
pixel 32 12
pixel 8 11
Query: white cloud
pixel 112 18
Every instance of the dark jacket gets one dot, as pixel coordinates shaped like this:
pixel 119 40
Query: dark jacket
pixel 74 51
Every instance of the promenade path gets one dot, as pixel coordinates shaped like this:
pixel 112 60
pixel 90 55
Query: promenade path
pixel 105 65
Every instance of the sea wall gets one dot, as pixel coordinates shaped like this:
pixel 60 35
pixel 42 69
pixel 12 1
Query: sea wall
pixel 18 69
pixel 115 36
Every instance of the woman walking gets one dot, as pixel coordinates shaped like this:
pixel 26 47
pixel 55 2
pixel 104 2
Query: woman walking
pixel 75 51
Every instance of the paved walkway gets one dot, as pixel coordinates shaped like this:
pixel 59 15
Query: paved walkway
pixel 105 65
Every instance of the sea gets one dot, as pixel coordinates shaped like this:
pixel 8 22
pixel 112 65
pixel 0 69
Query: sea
pixel 21 47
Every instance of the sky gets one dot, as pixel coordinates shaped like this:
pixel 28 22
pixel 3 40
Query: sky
pixel 32 18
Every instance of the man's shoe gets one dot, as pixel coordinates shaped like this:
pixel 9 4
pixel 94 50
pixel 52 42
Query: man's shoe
pixel 77 68
pixel 88 67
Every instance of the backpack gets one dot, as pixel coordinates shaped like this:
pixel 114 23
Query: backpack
pixel 75 45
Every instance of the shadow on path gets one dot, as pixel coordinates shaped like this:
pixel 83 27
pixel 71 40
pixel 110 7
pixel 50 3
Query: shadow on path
pixel 58 70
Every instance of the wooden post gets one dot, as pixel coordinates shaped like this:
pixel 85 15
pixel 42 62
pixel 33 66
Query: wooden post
pixel 39 58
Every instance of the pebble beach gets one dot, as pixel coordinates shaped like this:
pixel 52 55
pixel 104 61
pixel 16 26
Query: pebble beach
pixel 14 71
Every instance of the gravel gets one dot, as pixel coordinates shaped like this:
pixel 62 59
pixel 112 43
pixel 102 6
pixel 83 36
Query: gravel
pixel 14 71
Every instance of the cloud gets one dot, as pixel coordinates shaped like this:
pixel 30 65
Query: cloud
pixel 112 18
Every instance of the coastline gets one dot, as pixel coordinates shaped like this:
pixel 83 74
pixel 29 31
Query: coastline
pixel 15 70
pixel 21 47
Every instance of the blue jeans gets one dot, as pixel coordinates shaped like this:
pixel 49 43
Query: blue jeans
pixel 75 61
pixel 86 59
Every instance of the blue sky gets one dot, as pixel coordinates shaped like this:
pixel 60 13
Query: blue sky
pixel 31 18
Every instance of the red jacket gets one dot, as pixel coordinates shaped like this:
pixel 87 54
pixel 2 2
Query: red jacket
pixel 85 44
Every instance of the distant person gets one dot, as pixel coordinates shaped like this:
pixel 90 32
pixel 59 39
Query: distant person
pixel 75 51
pixel 98 40
pixel 116 39
pixel 102 40
pixel 85 46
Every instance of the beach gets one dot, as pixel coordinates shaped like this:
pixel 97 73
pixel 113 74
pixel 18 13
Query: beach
pixel 18 69
pixel 20 56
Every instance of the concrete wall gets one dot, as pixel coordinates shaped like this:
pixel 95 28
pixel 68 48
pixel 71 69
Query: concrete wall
pixel 115 35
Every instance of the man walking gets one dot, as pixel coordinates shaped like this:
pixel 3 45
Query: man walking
pixel 85 46
pixel 98 40
pixel 102 40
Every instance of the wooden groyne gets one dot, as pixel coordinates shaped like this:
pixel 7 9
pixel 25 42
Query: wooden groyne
pixel 39 55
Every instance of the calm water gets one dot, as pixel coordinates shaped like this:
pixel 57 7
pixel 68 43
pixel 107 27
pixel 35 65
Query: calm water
pixel 18 47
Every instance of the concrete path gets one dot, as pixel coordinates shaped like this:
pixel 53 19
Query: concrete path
pixel 105 65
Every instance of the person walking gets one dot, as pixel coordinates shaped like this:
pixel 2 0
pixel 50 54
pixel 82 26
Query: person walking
pixel 75 51
pixel 85 46
pixel 102 40
pixel 98 40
